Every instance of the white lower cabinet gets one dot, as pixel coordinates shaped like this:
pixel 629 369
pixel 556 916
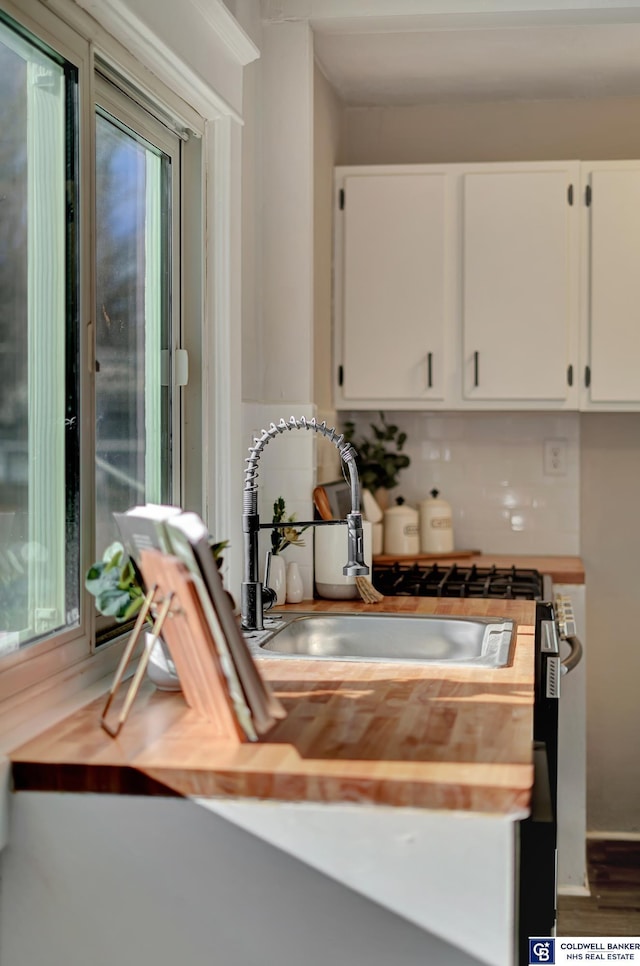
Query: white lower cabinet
pixel 488 286
pixel 124 878
pixel 610 371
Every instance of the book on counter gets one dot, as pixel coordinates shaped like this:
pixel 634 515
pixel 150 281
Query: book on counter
pixel 142 528
pixel 184 535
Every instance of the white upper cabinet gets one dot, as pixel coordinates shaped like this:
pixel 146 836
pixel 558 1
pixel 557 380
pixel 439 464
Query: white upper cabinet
pixel 519 285
pixel 488 286
pixel 610 372
pixel 393 284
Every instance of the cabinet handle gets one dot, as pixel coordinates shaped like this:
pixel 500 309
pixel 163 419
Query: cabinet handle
pixel 430 370
pixel 587 376
pixel 476 367
pixel 570 375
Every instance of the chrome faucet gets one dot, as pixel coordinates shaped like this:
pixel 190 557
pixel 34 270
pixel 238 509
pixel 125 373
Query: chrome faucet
pixel 256 598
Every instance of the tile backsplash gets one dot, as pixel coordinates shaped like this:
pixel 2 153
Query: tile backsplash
pixel 491 468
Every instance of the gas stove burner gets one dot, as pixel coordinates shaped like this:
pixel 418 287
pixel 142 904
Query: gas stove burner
pixel 415 580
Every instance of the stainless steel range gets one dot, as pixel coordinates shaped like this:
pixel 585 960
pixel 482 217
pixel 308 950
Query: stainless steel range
pixel 554 624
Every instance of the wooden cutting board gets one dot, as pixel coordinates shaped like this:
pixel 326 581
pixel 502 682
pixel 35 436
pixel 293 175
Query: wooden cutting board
pixel 387 558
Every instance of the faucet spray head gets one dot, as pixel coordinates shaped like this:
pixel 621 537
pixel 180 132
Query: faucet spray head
pixel 355 565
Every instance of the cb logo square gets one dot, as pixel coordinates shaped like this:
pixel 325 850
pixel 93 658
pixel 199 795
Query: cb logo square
pixel 542 951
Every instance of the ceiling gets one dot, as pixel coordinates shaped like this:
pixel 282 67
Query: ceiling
pixel 401 67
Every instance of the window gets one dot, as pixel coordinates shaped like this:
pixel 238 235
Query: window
pixel 91 236
pixel 39 416
pixel 137 207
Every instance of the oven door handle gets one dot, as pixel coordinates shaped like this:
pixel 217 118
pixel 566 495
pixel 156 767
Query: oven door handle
pixel 575 655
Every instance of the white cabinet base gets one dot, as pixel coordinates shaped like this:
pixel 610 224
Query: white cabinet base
pixel 103 879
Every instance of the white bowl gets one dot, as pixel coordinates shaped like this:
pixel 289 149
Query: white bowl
pixel 161 670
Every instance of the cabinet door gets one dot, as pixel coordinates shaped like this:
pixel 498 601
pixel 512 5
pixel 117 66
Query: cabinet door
pixel 611 370
pixel 391 289
pixel 519 284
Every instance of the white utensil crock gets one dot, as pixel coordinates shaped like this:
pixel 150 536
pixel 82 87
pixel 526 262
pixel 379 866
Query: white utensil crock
pixel 331 552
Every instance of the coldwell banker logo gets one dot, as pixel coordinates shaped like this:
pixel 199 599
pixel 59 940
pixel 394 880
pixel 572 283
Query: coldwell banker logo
pixel 542 951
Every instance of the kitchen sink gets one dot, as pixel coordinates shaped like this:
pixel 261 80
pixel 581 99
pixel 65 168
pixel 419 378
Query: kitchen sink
pixel 425 639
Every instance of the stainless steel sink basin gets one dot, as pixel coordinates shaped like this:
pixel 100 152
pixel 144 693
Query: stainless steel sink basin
pixel 474 641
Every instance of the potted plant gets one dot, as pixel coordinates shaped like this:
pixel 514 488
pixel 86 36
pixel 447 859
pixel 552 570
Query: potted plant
pixel 284 536
pixel 380 456
pixel 115 583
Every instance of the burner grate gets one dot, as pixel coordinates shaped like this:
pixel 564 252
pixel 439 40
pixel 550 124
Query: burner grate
pixel 414 580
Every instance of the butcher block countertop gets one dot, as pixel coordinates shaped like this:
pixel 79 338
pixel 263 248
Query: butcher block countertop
pixel 367 733
pixel 562 570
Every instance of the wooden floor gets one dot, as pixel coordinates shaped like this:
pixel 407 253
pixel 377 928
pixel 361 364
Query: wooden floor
pixel 613 908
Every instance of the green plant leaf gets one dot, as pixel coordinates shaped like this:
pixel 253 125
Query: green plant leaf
pixel 98 579
pixel 128 579
pixel 217 548
pixel 113 602
pixel 113 555
pixel 379 458
pixel 132 609
pixel 114 584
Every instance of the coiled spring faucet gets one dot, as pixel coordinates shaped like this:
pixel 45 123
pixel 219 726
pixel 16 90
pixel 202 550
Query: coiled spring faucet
pixel 255 598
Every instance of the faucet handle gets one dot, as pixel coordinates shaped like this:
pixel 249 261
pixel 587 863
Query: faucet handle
pixel 269 597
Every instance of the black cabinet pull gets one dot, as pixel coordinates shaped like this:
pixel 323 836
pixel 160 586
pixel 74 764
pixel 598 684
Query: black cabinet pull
pixel 570 375
pixel 476 367
pixel 430 370
pixel 587 376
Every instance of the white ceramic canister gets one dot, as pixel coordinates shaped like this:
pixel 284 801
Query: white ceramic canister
pixel 331 552
pixel 401 533
pixel 436 525
pixel 372 511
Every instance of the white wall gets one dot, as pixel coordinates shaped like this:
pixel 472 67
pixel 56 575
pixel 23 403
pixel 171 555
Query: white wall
pixel 328 132
pixel 252 333
pixel 584 129
pixel 610 526
pixel 286 159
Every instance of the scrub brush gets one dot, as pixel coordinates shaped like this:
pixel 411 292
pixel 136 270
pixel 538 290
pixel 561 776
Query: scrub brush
pixel 367 591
